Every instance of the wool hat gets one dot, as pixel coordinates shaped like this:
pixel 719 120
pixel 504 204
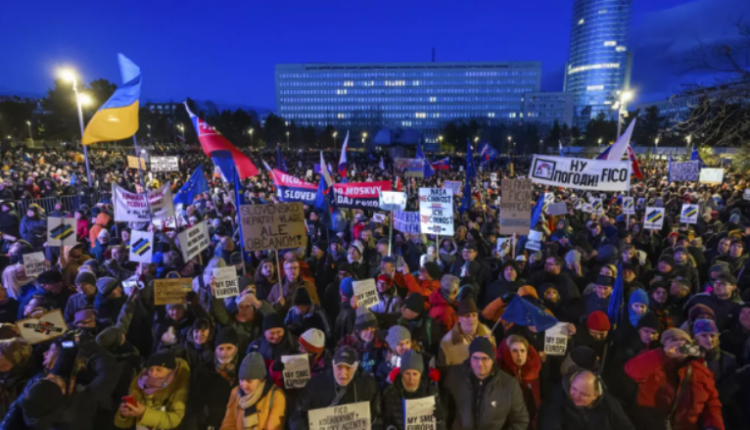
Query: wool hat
pixel 387 279
pixel 50 277
pixel 598 321
pixel 433 270
pixel 649 320
pixel 85 277
pixel 365 319
pixel 227 335
pixel 109 338
pixel 347 287
pixel 470 246
pixel 396 335
pixel 604 280
pixel 638 296
pixel 320 245
pixel 358 246
pixel 412 360
pixel 482 344
pixel 273 320
pixel 704 326
pixel 15 350
pixel 667 259
pixel 698 310
pixel 41 398
pixel 415 303
pixel 345 355
pixel 449 284
pixel 301 298
pixel 106 284
pixel 313 340
pixel 252 367
pixel 163 358
pixel 466 306
pixel 726 278
pixel 674 333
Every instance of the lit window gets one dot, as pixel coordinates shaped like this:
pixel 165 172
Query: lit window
pixel 433 99
pixel 602 11
pixel 593 67
pixel 581 21
pixel 594 87
pixel 491 115
pixel 610 43
pixel 348 83
pixel 621 49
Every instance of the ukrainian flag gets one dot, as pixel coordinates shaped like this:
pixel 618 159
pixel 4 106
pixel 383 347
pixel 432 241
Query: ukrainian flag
pixel 118 118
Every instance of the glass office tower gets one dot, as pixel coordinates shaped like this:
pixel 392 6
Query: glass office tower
pixel 598 64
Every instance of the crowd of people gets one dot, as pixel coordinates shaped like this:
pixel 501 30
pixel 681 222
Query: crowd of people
pixel 676 358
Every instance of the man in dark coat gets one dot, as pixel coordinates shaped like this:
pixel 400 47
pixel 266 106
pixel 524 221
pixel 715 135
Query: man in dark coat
pixel 410 384
pixel 553 273
pixel 276 340
pixel 49 285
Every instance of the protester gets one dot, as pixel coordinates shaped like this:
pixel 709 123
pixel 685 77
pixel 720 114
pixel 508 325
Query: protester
pixel 256 403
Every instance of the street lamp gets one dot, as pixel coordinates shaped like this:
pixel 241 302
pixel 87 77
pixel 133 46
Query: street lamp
pixel 335 133
pixel 476 139
pixel 625 97
pixel 440 143
pixel 31 137
pixel 287 139
pixel 600 141
pixel 251 136
pixel 68 75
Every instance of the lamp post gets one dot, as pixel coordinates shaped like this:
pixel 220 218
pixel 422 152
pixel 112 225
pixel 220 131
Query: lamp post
pixel 621 107
pixel 31 136
pixel 440 143
pixel 287 139
pixel 251 136
pixel 69 75
pixel 335 133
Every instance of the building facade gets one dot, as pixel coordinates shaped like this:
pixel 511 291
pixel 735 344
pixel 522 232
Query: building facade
pixel 598 66
pixel 422 96
pixel 546 108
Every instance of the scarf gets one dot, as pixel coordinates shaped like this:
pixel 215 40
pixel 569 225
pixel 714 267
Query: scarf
pixel 248 403
pixel 227 369
pixel 634 318
pixel 151 386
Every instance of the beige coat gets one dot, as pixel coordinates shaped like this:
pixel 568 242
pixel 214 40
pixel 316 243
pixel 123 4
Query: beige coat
pixel 454 347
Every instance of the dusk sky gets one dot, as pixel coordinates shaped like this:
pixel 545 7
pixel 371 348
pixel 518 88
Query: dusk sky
pixel 226 52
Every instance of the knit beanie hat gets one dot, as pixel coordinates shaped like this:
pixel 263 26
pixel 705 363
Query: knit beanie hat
pixel 41 398
pixel 700 310
pixel 584 357
pixel 396 335
pixel 301 298
pixel 638 296
pixel 109 338
pixel 449 284
pixel 649 320
pixel 387 279
pixel 273 320
pixel 313 340
pixel 106 284
pixel 598 321
pixel 85 277
pixel 482 344
pixel 163 358
pixel 412 360
pixel 466 306
pixel 674 333
pixel 347 287
pixel 252 367
pixel 15 350
pixel 704 326
pixel 415 303
pixel 365 319
pixel 227 335
pixel 433 270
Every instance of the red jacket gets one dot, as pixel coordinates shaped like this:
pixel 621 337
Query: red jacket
pixel 425 288
pixel 442 311
pixel 700 403
pixel 527 376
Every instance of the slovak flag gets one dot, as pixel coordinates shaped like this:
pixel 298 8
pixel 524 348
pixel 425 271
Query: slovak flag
pixel 342 159
pixel 399 185
pixel 634 163
pixel 443 164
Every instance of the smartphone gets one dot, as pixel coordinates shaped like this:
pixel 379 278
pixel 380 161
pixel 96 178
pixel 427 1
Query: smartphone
pixel 130 400
pixel 68 344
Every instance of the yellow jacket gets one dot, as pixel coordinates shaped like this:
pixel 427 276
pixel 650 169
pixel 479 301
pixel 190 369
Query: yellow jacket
pixel 271 408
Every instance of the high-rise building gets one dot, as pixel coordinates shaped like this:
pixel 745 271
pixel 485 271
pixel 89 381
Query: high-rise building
pixel 598 66
pixel 546 108
pixel 423 96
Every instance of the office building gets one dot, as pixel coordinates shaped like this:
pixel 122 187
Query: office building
pixel 423 96
pixel 546 108
pixel 598 66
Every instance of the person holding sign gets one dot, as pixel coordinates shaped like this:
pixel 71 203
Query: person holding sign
pixel 276 340
pixel 256 403
pixel 281 296
pixel 312 344
pixel 409 384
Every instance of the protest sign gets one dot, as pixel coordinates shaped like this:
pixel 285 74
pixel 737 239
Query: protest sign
pixel 597 206
pixel 132 207
pixel 503 246
pixel 276 226
pixel 406 222
pixel 712 176
pixel 392 201
pixel 746 194
pixel 194 240
pixel 309 173
pixel 296 370
pixel 419 414
pixel 436 211
pixel 133 162
pixel 46 327
pixel 366 292
pixel 641 203
pixel 515 206
pixel 689 214
pixel 579 173
pixel 360 194
pixel 454 186
pixel 409 167
pixel 493 177
pixel 559 208
pixel 225 282
pixel 171 291
pixel 627 206
pixel 378 217
pixel 165 164
pixel 33 263
pixel 685 171
pixel 534 242
pixel 654 218
pixel 292 189
pixel 556 339
pixel 141 246
pixel 352 416
pixel 61 231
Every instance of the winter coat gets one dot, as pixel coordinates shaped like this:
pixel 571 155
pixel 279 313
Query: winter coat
pixel 76 302
pixel 269 352
pixel 75 412
pixel 9 311
pixel 271 410
pixel 247 331
pixel 9 223
pixel 723 309
pixel 60 299
pixel 494 403
pixel 425 288
pixel 314 318
pixel 425 334
pixel 165 409
pixel 102 220
pixel 527 375
pixel 370 354
pixel 289 289
pixel 655 395
pixel 454 346
pixel 344 323
pixel 498 289
pixel 442 311
pixel 30 227
pixel 393 403
pixel 263 287
pixel 209 395
pixel 388 302
pixel 13 383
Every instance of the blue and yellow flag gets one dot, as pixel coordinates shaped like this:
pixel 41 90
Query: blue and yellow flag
pixel 118 118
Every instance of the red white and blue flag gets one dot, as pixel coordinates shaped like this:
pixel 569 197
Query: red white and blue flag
pixel 342 159
pixel 443 164
pixel 634 163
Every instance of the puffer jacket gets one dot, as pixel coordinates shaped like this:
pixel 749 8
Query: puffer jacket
pixel 271 410
pixel 442 311
pixel 393 403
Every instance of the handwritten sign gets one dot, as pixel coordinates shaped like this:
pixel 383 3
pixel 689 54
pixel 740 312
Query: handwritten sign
pixel 48 326
pixel 225 282
pixel 276 226
pixel 654 218
pixel 503 246
pixel 556 339
pixel 61 231
pixel 171 291
pixel 165 164
pixel 34 263
pixel 133 206
pixel 515 207
pixel 133 162
pixel 712 176
pixel 194 240
pixel 685 171
pixel 436 211
pixel 141 246
pixel 354 416
pixel 419 414
pixel 366 292
pixel 296 370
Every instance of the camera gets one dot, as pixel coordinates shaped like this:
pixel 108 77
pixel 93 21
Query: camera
pixel 690 350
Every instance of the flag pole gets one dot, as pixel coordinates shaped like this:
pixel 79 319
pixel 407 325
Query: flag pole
pixel 239 218
pixel 143 182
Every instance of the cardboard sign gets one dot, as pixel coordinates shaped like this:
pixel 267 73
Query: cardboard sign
pixel 366 292
pixel 392 201
pixel 515 206
pixel 48 326
pixel 436 211
pixel 165 164
pixel 141 246
pixel 61 231
pixel 409 167
pixel 685 171
pixel 627 206
pixel 194 240
pixel 354 416
pixel 378 218
pixel 689 214
pixel 454 186
pixel 535 241
pixel 309 173
pixel 296 370
pixel 132 207
pixel 406 222
pixel 33 263
pixel 225 282
pixel 503 246
pixel 559 208
pixel 171 291
pixel 556 339
pixel 276 226
pixel 712 176
pixel 580 173
pixel 133 162
pixel 419 414
pixel 654 218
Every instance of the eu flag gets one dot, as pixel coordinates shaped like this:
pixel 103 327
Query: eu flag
pixel 195 185
pixel 428 170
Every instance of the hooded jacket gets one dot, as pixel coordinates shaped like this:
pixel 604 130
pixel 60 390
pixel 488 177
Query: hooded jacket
pixel 527 375
pixel 425 288
pixel 454 346
pixel 442 311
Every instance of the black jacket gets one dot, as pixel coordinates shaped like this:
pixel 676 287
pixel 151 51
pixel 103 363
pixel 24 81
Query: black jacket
pixel 560 413
pixel 393 403
pixel 209 395
pixel 76 412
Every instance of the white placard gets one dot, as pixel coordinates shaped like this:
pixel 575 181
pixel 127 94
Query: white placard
pixel 34 263
pixel 556 339
pixel 503 246
pixel 406 222
pixel 712 176
pixel 597 206
pixel 141 246
pixel 689 214
pixel 580 173
pixel 48 326
pixel 419 414
pixel 392 200
pixel 366 292
pixel 354 416
pixel 436 211
pixel 296 370
pixel 628 208
pixel 165 164
pixel 61 231
pixel 654 218
pixel 559 208
pixel 549 198
pixel 534 241
pixel 194 240
pixel 378 218
pixel 309 173
pixel 132 207
pixel 225 282
pixel 493 177
pixel 454 186
pixel 746 194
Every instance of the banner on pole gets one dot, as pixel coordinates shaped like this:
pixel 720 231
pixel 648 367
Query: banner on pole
pixel 225 282
pixel 712 176
pixel 515 206
pixel 409 167
pixel 579 173
pixel 360 194
pixel 292 189
pixel 454 186
pixel 33 263
pixel 194 240
pixel 350 416
pixel 37 330
pixel 171 291
pixel 654 218
pixel 628 208
pixel 366 292
pixel 436 211
pixel 689 214
pixel 276 226
pixel 61 231
pixel 296 370
pixel 392 201
pixel 406 222
pixel 141 246
pixel 685 171
pixel 165 164
pixel 132 207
